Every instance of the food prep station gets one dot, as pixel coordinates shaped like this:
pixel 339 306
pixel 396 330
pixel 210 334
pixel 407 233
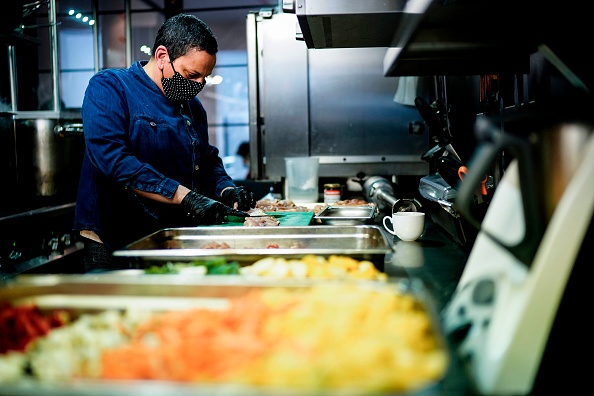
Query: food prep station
pixel 353 232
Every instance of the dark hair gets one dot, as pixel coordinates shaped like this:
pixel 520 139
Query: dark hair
pixel 182 32
pixel 243 149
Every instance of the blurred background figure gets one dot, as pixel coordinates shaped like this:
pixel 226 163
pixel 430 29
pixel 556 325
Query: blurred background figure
pixel 238 165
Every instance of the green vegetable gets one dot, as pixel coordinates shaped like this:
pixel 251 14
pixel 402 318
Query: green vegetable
pixel 214 266
pixel 168 268
pixel 224 269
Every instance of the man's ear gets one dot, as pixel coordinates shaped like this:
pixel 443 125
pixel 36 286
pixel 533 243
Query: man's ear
pixel 161 56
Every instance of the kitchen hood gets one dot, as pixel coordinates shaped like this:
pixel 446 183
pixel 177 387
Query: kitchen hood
pixel 463 38
pixel 352 23
pixel 424 37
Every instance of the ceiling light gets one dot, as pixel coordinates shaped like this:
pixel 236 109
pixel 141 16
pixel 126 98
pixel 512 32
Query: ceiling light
pixel 214 80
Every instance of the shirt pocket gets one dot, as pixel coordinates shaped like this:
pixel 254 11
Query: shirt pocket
pixel 157 143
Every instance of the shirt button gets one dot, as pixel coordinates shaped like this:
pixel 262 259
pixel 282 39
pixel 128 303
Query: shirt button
pixel 188 122
pixel 196 167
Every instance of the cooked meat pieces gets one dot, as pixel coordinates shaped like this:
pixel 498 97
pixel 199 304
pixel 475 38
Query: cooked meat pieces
pixel 263 221
pixel 351 202
pixel 216 245
pixel 279 205
pixel 256 212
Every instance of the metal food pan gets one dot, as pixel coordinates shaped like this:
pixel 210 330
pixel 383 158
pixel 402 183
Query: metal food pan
pixel 90 294
pixel 249 244
pixel 346 215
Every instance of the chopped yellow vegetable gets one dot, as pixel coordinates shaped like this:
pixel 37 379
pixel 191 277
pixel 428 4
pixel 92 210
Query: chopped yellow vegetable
pixel 313 266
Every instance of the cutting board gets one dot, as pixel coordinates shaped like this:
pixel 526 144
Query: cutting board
pixel 285 218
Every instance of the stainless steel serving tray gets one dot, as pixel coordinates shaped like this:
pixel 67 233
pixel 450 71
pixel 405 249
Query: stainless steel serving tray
pixel 94 293
pixel 346 215
pixel 249 244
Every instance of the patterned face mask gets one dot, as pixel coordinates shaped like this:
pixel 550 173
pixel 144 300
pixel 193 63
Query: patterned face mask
pixel 178 88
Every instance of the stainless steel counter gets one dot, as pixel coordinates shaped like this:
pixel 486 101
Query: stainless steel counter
pixel 39 239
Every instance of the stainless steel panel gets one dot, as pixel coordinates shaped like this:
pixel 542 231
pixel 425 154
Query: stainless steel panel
pixel 352 110
pixel 253 94
pixel 349 23
pixel 282 121
pixel 332 104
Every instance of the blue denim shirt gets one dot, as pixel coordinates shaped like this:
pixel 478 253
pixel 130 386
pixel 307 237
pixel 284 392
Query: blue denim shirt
pixel 136 138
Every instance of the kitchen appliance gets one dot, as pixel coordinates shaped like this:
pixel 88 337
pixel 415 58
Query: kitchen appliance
pixel 439 197
pixel 439 188
pixel 436 118
pixel 517 314
pixel 335 105
pixel 379 191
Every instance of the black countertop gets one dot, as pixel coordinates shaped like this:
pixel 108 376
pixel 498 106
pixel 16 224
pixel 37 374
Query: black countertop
pixel 435 258
pixel 438 262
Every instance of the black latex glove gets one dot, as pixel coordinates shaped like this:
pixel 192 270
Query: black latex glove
pixel 207 211
pixel 244 198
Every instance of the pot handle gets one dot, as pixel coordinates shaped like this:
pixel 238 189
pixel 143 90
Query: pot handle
pixel 69 130
pixel 487 152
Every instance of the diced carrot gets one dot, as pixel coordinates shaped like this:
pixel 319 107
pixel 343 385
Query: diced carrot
pixel 194 344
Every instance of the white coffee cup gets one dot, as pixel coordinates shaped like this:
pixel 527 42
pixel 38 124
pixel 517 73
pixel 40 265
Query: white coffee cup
pixel 408 226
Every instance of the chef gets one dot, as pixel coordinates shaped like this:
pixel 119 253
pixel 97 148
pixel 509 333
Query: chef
pixel 148 162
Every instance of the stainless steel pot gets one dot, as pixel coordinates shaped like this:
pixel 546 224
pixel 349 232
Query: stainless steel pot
pixel 49 156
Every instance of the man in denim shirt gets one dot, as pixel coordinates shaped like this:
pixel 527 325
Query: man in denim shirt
pixel 148 163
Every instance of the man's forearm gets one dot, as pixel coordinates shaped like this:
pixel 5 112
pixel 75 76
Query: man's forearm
pixel 178 196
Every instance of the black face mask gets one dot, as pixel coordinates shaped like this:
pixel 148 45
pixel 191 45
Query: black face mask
pixel 178 88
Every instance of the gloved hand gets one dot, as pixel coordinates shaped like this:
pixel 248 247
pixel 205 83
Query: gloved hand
pixel 245 199
pixel 207 211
